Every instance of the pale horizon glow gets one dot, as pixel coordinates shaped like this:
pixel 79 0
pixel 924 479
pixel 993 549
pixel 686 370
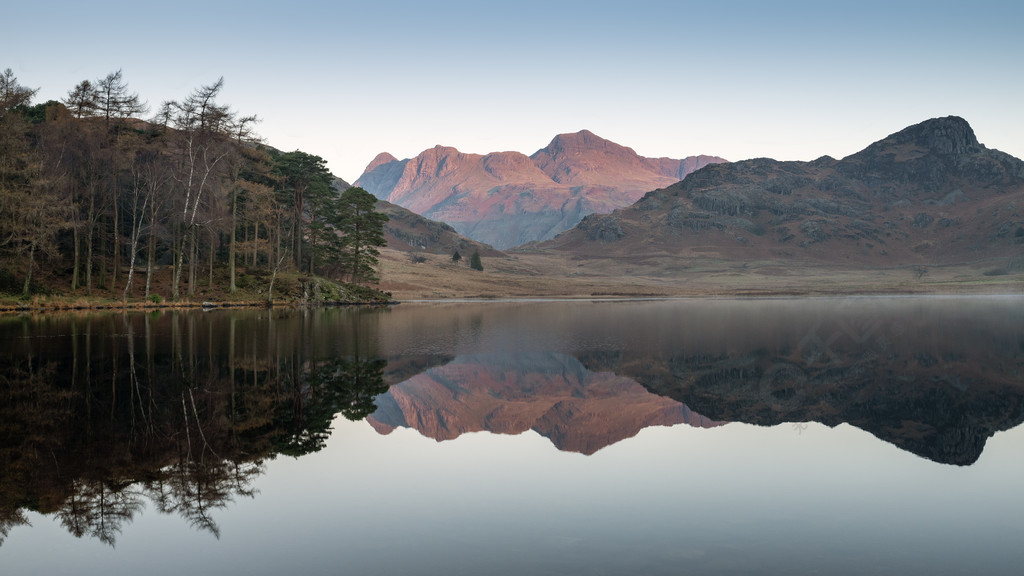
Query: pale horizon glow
pixel 791 80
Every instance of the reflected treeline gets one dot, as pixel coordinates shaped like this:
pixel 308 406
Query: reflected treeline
pixel 102 413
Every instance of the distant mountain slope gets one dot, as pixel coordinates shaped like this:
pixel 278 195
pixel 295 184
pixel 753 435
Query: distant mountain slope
pixel 507 198
pixel 929 193
pixel 407 231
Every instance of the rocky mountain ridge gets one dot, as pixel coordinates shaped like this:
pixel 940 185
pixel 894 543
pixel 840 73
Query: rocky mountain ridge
pixel 507 198
pixel 930 193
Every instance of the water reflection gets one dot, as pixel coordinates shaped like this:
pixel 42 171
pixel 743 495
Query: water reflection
pixel 936 377
pixel 510 393
pixel 102 413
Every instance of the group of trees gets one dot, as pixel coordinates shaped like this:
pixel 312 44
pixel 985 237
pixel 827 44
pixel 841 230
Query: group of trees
pixel 474 261
pixel 105 196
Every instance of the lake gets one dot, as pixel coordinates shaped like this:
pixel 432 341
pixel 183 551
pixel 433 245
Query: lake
pixel 704 436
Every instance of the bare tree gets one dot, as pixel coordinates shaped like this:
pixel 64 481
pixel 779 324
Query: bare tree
pixel 82 100
pixel 243 135
pixel 114 102
pixel 13 94
pixel 148 178
pixel 202 128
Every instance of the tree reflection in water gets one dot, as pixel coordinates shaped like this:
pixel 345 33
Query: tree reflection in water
pixel 100 413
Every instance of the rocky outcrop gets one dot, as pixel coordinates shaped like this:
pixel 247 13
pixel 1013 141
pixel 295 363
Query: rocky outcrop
pixel 507 198
pixel 929 159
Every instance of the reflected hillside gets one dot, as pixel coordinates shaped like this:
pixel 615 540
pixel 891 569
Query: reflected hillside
pixel 510 393
pixel 102 414
pixel 933 378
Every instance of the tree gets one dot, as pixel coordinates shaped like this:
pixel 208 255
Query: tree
pixel 13 94
pixel 304 177
pixel 474 261
pixel 31 210
pixel 203 140
pixel 113 101
pixel 82 100
pixel 243 134
pixel 362 229
pixel 148 177
pixel 456 257
pixel 41 215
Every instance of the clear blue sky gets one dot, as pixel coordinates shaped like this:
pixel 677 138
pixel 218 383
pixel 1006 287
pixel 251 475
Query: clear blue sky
pixel 345 80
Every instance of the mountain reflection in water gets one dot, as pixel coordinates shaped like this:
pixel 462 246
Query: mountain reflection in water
pixel 935 377
pixel 506 393
pixel 100 413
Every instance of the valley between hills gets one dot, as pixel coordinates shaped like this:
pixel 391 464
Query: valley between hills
pixel 926 210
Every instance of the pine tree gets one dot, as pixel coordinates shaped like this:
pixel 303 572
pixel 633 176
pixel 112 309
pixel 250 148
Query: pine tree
pixel 362 229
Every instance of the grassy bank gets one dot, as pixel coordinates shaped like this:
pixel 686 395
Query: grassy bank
pixel 252 291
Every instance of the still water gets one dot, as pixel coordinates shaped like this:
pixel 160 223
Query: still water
pixel 821 436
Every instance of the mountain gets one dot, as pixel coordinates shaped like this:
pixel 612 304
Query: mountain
pixel 552 394
pixel 507 198
pixel 930 193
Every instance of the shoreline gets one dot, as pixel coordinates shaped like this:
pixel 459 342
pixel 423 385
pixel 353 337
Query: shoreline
pixel 104 306
pixel 58 306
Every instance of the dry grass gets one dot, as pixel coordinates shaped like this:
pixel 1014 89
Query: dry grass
pixel 546 275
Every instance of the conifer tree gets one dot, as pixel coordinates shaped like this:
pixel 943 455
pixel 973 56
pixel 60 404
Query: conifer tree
pixel 362 229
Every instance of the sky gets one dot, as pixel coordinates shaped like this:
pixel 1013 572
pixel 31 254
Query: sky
pixel 791 80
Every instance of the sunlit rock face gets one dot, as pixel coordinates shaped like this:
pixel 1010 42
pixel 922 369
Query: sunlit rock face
pixel 507 198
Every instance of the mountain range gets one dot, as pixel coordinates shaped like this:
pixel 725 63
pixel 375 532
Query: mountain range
pixel 506 199
pixel 930 193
